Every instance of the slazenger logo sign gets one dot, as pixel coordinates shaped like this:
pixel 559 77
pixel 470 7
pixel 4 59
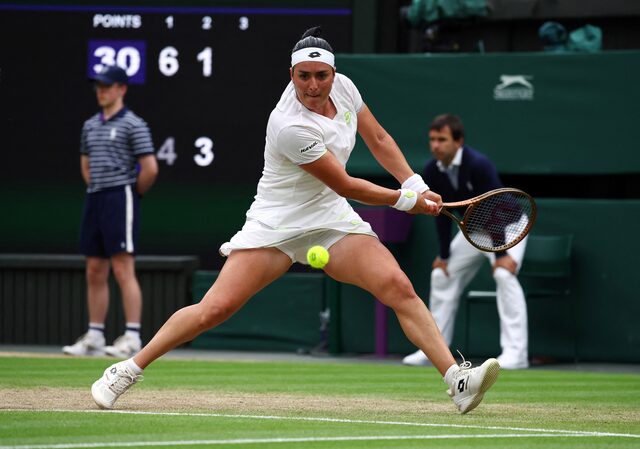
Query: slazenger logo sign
pixel 308 147
pixel 514 88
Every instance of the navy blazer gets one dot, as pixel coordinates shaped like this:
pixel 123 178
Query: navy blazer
pixel 476 175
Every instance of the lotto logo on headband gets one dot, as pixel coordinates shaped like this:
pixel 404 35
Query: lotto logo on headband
pixel 313 54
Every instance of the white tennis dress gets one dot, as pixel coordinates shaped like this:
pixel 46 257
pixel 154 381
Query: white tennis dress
pixel 290 202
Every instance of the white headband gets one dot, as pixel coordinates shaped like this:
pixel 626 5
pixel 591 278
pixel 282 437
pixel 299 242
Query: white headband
pixel 313 54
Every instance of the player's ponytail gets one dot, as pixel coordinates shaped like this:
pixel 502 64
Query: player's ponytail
pixel 312 38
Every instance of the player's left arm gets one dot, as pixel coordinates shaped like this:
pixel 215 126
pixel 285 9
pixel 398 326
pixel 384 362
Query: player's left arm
pixel 383 147
pixel 387 152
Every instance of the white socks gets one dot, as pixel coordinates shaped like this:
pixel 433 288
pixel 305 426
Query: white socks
pixel 448 377
pixel 133 366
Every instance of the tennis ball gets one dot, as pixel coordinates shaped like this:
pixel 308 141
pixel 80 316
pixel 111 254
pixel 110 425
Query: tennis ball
pixel 318 256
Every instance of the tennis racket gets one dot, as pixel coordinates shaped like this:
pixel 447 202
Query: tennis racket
pixel 496 220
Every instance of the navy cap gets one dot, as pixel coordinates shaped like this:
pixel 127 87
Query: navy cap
pixel 111 74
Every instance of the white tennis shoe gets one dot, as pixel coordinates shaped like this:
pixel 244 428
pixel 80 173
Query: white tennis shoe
pixel 124 347
pixel 468 386
pixel 87 344
pixel 115 380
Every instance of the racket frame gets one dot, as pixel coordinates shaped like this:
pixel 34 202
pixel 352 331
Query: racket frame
pixel 472 202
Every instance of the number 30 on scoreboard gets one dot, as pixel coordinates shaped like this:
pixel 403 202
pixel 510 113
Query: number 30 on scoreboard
pixel 131 56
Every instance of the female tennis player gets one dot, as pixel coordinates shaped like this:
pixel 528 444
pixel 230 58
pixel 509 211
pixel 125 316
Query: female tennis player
pixel 301 201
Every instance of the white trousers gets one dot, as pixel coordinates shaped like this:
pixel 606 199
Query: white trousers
pixel 463 263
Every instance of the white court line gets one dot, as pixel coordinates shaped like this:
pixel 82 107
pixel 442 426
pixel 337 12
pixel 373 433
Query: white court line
pixel 281 440
pixel 559 432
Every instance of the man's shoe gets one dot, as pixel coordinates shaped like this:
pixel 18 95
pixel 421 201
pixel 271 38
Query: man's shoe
pixel 509 362
pixel 470 384
pixel 116 379
pixel 416 359
pixel 87 344
pixel 124 347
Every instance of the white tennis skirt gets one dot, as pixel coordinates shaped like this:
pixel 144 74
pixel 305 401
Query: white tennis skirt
pixel 255 234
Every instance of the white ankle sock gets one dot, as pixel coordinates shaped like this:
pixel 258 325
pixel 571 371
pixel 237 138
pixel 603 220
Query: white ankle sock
pixel 448 376
pixel 133 366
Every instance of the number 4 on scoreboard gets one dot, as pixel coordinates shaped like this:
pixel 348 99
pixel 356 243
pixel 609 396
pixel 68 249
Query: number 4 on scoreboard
pixel 167 152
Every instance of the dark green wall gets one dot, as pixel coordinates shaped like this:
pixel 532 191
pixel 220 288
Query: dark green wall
pixel 582 107
pixel 284 316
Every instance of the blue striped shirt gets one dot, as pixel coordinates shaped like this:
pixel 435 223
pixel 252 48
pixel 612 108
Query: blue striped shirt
pixel 113 147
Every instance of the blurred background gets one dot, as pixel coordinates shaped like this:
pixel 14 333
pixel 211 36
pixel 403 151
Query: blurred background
pixel 547 88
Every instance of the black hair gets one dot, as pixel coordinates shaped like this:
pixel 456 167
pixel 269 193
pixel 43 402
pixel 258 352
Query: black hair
pixel 452 121
pixel 311 38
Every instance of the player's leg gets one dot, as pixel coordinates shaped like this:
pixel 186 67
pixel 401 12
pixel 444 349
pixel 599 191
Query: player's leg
pixel 512 309
pixel 363 261
pixel 446 289
pixel 244 274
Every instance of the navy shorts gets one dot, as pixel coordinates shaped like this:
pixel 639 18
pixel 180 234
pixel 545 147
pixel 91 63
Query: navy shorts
pixel 110 222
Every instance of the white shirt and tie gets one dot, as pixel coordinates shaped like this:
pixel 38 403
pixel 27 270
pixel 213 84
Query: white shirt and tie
pixel 453 168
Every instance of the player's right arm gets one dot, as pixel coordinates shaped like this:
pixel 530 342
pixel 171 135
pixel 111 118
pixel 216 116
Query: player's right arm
pixel 329 170
pixel 304 146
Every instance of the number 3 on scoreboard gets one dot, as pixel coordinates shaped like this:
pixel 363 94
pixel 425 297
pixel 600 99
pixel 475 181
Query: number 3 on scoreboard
pixel 206 156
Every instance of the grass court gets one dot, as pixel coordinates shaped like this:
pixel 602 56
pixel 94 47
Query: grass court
pixel 45 402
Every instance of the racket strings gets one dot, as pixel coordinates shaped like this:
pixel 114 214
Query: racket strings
pixel 499 220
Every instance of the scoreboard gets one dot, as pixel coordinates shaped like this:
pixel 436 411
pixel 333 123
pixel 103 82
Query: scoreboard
pixel 204 78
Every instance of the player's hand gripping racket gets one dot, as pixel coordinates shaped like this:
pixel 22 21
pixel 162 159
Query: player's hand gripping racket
pixel 496 220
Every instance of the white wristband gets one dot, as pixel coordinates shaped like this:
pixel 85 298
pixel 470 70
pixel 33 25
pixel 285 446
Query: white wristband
pixel 407 200
pixel 415 182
